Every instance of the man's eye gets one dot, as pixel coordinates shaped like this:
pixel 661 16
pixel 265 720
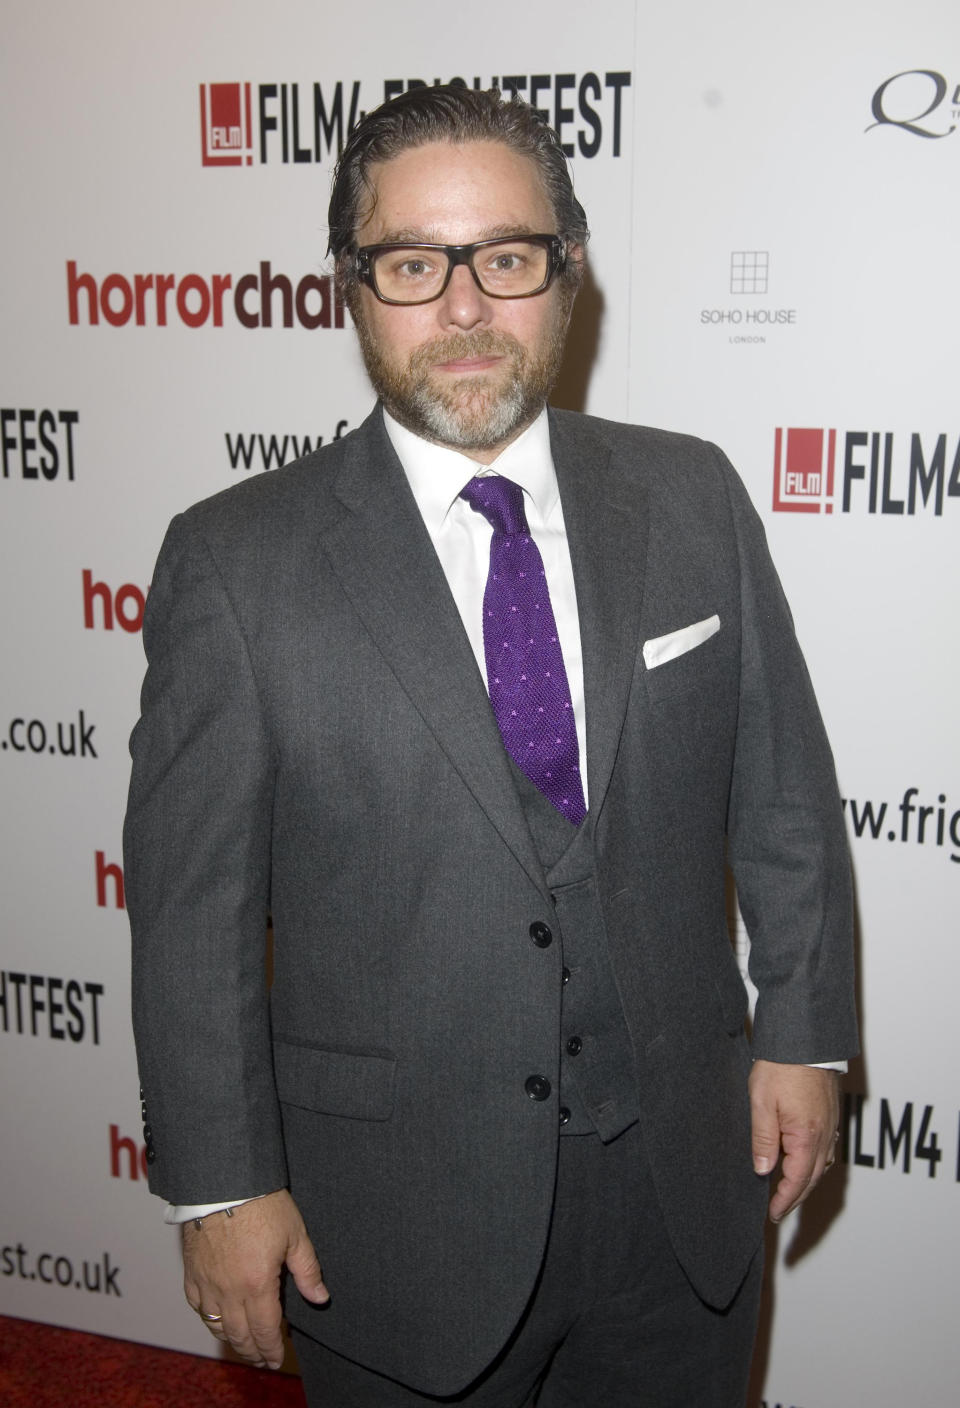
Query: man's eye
pixel 506 263
pixel 413 268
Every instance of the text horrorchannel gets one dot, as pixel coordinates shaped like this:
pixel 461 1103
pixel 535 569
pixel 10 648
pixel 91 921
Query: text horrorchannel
pixel 261 300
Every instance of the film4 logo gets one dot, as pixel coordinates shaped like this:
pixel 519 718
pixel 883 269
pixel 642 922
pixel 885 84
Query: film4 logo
pixel 226 133
pixel 874 470
pixel 227 122
pixel 304 123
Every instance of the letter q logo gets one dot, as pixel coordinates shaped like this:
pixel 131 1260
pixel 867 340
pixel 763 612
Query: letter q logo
pixel 897 100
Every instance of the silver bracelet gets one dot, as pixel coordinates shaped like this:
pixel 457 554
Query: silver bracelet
pixel 198 1221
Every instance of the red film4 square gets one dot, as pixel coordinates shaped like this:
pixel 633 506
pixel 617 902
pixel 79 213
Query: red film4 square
pixel 225 128
pixel 803 470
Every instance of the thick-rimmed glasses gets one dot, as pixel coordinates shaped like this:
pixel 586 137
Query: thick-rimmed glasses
pixel 518 266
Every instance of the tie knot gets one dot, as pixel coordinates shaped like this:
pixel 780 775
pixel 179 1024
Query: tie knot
pixel 499 500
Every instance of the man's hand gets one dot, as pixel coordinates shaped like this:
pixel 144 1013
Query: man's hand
pixel 797 1107
pixel 231 1268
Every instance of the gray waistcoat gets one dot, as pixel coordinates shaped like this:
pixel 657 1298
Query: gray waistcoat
pixel 597 1076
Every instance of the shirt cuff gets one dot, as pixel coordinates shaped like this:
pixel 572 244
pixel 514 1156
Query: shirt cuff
pixel 839 1066
pixel 183 1212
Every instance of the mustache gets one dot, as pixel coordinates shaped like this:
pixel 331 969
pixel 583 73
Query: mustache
pixel 455 347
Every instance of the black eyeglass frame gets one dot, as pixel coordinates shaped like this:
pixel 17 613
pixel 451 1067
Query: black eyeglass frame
pixel 363 261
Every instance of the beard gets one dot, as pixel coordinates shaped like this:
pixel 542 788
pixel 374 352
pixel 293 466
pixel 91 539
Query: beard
pixel 482 411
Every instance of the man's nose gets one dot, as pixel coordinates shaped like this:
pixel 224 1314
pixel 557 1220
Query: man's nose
pixel 463 303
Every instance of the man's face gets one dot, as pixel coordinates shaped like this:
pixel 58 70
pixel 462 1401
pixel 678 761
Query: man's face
pixel 467 371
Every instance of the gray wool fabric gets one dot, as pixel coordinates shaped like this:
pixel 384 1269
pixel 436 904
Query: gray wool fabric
pixel 316 740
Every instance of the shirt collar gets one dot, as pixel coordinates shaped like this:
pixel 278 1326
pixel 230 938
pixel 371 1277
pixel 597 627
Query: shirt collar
pixel 436 474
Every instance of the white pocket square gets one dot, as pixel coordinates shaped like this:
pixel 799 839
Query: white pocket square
pixel 663 648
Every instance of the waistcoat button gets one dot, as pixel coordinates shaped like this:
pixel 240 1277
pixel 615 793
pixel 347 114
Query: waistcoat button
pixel 537 1087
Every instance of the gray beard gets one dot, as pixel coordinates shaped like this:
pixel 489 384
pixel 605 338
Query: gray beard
pixel 469 427
pixel 465 414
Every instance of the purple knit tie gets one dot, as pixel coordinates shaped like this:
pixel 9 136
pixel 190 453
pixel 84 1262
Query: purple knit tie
pixel 525 673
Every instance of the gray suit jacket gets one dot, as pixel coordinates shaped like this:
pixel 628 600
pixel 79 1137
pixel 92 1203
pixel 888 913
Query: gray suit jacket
pixel 316 740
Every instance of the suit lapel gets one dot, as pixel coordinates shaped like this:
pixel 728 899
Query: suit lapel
pixel 604 510
pixel 386 564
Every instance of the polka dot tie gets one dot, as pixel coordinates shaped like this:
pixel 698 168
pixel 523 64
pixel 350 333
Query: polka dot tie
pixel 525 674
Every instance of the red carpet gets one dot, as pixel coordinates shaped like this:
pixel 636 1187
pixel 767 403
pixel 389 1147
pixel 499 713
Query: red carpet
pixel 43 1367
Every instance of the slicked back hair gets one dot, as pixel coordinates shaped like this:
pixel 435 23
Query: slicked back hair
pixel 448 113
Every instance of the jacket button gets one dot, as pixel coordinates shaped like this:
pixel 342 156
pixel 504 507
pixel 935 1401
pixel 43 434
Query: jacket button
pixel 541 934
pixel 565 975
pixel 151 1154
pixel 537 1087
pixel 148 1133
pixel 564 1115
pixel 574 1046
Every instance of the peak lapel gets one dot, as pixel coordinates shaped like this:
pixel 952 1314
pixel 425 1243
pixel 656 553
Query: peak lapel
pixel 383 557
pixel 604 510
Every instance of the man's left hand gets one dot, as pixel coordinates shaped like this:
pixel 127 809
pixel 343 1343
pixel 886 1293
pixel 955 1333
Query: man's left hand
pixel 796 1108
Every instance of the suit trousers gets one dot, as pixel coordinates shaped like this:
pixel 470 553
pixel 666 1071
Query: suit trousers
pixel 612 1323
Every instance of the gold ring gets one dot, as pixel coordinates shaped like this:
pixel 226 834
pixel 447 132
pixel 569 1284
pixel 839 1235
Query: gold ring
pixel 210 1319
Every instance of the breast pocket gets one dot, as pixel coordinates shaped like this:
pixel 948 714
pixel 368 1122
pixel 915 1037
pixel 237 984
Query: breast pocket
pixel 699 666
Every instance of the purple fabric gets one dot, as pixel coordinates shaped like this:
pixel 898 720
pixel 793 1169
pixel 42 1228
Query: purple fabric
pixel 525 672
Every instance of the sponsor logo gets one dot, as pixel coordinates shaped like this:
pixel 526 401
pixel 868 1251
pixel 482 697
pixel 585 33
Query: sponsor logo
pixel 271 451
pixel 877 472
pixel 304 123
pixel 99 1276
pixel 804 471
pixel 918 101
pixel 749 269
pixel 128 1154
pixel 749 274
pixel 255 300
pixel 225 129
pixel 923 825
pixel 108 872
pixel 63 740
pixel 123 606
pixel 59 1008
pixel 887 1134
pixel 37 444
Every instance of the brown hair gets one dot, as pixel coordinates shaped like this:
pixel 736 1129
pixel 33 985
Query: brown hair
pixel 449 113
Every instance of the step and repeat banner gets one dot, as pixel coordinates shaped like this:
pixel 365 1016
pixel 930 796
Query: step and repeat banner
pixel 775 206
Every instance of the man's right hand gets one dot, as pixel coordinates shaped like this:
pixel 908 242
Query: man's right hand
pixel 232 1266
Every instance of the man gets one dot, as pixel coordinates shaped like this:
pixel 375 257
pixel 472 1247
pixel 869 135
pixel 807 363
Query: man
pixel 477 702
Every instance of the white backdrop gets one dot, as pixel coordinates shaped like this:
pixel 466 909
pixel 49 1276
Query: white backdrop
pixel 775 203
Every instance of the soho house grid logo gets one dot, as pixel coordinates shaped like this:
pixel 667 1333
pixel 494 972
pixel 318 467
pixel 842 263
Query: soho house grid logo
pixel 874 471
